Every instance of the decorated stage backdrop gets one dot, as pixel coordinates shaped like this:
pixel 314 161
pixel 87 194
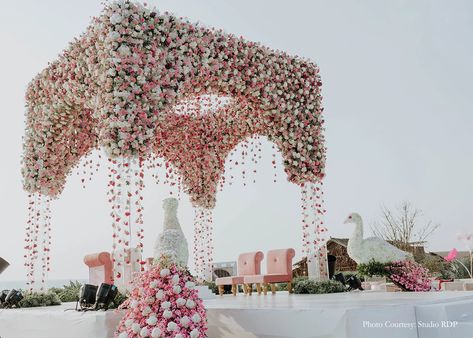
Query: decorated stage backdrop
pixel 144 85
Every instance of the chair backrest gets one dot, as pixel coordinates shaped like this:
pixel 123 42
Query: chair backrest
pixel 250 263
pixel 279 262
pixel 100 268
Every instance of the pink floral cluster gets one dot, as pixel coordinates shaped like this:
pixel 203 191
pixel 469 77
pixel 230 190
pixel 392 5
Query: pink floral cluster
pixel 164 303
pixel 410 275
pixel 118 86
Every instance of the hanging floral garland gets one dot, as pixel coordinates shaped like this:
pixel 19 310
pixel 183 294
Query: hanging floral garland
pixel 143 84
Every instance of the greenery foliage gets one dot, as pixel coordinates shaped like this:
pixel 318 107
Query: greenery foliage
pixel 68 293
pixel 373 268
pixel 459 271
pixel 119 299
pixel 438 266
pixel 34 299
pixel 308 286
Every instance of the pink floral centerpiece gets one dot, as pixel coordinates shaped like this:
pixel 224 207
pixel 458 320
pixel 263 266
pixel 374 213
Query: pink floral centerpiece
pixel 409 275
pixel 164 303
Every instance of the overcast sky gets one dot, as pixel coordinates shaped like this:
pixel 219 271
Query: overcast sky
pixel 398 99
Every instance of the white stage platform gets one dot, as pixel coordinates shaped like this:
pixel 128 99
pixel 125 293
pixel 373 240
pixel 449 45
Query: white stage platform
pixel 345 315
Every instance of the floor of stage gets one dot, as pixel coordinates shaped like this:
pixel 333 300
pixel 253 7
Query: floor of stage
pixel 343 315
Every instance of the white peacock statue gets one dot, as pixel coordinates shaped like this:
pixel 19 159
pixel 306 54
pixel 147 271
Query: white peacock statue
pixel 171 243
pixel 363 250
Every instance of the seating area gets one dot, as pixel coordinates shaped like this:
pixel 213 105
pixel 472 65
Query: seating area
pixel 278 270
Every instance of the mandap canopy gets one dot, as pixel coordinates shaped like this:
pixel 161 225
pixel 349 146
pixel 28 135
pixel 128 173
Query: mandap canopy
pixel 144 85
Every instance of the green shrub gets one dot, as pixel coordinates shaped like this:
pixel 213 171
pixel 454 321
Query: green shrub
pixel 68 293
pixel 372 268
pixel 438 266
pixel 118 300
pixel 459 271
pixel 309 286
pixel 34 299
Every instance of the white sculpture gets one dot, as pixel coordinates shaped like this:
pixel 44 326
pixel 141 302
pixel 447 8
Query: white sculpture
pixel 171 243
pixel 372 248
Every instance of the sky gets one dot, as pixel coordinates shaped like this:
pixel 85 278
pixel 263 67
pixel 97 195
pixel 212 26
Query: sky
pixel 399 120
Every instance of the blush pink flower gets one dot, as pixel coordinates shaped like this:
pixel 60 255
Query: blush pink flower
pixel 452 255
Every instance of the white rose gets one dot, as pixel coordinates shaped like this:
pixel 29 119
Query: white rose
pixel 176 289
pixel 134 304
pixel 196 318
pixel 180 302
pixel 156 332
pixel 166 305
pixel 124 50
pixel 146 311
pixel 152 320
pixel 113 35
pixel 195 333
pixel 178 336
pixel 136 327
pixel 160 295
pixel 164 272
pixel 167 314
pixel 190 304
pixel 153 284
pixel 115 18
pixel 123 335
pixel 185 321
pixel 128 323
pixel 172 326
pixel 144 332
pixel 190 285
pixel 175 279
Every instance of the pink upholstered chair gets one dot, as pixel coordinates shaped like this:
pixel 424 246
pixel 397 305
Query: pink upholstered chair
pixel 248 264
pixel 278 270
pixel 100 268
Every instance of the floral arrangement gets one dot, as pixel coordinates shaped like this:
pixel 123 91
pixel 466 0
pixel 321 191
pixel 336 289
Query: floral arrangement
pixel 407 274
pixel 145 85
pixel 164 303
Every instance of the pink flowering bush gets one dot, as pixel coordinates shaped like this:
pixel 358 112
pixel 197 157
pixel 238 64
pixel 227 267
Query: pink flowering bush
pixel 130 83
pixel 409 275
pixel 164 303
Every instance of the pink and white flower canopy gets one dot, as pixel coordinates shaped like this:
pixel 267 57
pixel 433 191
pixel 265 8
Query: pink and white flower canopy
pixel 129 85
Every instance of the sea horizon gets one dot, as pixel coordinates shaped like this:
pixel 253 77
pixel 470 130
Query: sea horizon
pixel 52 283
